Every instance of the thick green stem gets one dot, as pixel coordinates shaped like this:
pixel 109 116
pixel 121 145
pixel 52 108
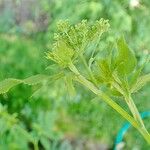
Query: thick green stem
pixel 110 102
pixel 35 145
pixel 134 111
pixel 137 116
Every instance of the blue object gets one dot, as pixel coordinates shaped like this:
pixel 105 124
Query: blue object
pixel 125 127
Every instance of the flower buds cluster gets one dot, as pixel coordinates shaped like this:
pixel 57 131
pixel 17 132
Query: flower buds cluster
pixel 71 40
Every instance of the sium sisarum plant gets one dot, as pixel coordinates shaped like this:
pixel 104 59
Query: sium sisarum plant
pixel 108 73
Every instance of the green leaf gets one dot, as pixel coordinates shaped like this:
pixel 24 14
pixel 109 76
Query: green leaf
pixel 126 60
pixel 62 54
pixel 137 72
pixel 36 79
pixel 143 80
pixel 7 84
pixel 105 71
pixel 135 76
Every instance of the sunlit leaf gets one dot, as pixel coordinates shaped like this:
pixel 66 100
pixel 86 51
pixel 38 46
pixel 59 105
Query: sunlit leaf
pixel 126 60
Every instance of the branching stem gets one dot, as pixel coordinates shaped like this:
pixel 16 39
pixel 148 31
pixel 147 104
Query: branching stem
pixel 110 102
pixel 137 116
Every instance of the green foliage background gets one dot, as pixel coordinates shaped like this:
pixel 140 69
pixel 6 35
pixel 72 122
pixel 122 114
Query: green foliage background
pixel 49 115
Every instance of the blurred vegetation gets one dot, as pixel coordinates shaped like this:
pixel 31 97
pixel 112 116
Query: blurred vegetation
pixel 48 117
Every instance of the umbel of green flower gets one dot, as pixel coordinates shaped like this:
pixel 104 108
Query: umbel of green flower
pixel 70 41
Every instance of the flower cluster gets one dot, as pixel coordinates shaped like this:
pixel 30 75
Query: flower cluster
pixel 71 40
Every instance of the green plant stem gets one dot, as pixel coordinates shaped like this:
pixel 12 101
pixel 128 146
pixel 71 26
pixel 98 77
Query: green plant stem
pixel 109 101
pixel 135 112
pixel 88 69
pixel 35 145
pixel 131 105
